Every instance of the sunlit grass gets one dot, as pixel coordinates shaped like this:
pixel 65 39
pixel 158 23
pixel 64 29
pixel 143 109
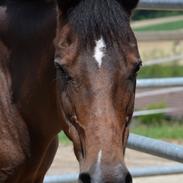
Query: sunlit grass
pixel 64 139
pixel 164 131
pixel 170 26
pixel 161 71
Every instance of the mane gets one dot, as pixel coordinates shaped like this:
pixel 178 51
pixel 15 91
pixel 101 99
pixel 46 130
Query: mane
pixel 30 34
pixel 93 19
pixel 29 19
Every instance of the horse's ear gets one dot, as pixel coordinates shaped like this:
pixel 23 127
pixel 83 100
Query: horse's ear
pixel 129 5
pixel 67 5
pixel 66 45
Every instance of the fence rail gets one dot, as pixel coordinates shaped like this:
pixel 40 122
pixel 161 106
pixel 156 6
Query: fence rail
pixel 136 172
pixel 159 36
pixel 160 82
pixel 159 92
pixel 146 145
pixel 173 58
pixel 153 112
pixel 161 5
pixel 156 147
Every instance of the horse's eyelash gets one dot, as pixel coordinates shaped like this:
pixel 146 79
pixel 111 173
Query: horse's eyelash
pixel 137 66
pixel 64 74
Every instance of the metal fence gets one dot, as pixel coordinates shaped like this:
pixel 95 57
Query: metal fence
pixel 140 143
pixel 165 60
pixel 160 82
pixel 136 172
pixel 161 5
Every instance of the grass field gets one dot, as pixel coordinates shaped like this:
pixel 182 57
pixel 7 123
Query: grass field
pixel 170 26
pixel 161 71
pixel 63 139
pixel 165 131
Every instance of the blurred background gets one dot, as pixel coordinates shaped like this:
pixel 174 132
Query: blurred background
pixel 160 39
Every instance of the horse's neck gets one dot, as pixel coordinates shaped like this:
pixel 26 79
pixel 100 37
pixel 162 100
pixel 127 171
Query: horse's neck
pixel 29 38
pixel 30 72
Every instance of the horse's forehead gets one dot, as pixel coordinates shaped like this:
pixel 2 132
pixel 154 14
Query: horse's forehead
pixel 99 51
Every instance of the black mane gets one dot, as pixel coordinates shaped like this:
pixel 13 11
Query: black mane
pixel 91 19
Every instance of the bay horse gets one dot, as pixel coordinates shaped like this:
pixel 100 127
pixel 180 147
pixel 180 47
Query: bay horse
pixel 28 110
pixel 88 92
pixel 97 61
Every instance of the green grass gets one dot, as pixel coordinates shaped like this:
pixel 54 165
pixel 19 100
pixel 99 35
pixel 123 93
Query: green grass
pixel 164 131
pixel 170 26
pixel 158 126
pixel 64 139
pixel 161 71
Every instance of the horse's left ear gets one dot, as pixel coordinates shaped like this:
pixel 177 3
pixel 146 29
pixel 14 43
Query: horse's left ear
pixel 66 46
pixel 129 5
pixel 66 5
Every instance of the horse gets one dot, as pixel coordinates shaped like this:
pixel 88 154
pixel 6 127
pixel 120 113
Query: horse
pixel 88 92
pixel 29 121
pixel 97 61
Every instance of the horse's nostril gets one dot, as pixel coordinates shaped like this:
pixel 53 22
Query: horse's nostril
pixel 84 178
pixel 128 178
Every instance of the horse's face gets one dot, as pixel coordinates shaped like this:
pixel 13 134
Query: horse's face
pixel 96 96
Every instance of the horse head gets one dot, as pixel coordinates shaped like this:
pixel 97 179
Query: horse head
pixel 97 60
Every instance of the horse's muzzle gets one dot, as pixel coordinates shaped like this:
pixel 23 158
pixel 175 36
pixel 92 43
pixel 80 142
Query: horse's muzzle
pixel 117 174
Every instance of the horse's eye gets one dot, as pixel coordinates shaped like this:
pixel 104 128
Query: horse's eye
pixel 137 66
pixel 62 72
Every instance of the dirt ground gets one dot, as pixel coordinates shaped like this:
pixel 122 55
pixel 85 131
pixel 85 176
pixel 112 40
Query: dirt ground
pixel 65 163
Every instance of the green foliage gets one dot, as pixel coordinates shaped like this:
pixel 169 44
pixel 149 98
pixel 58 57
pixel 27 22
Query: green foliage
pixel 161 71
pixel 169 26
pixel 146 14
pixel 64 139
pixel 154 119
pixel 169 131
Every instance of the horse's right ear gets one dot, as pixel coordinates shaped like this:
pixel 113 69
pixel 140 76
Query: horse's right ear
pixel 66 5
pixel 66 46
pixel 129 5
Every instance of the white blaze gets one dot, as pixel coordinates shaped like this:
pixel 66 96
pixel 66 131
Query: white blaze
pixel 99 51
pixel 99 159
